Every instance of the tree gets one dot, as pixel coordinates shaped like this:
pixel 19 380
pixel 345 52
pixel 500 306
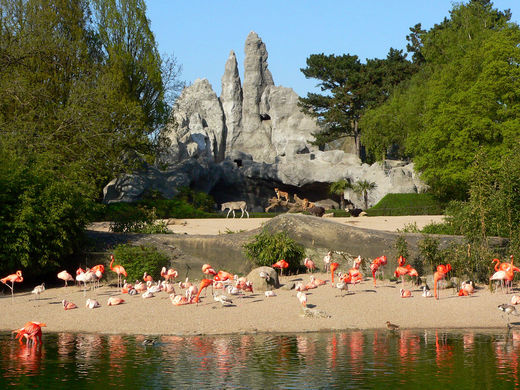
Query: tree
pixel 462 99
pixel 338 188
pixel 363 187
pixel 351 87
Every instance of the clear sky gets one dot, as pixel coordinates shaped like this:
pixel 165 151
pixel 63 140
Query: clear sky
pixel 201 33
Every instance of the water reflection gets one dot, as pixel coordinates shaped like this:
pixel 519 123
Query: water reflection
pixel 318 360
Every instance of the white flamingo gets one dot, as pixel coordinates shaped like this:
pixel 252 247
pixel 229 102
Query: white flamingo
pixel 38 290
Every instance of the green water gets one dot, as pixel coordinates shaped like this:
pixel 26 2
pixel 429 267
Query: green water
pixel 355 359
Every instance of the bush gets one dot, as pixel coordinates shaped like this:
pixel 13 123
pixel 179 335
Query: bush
pixel 140 259
pixel 401 246
pixel 430 254
pixel 407 204
pixel 267 248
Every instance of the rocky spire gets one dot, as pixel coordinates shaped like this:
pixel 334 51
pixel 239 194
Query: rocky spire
pixel 256 79
pixel 231 100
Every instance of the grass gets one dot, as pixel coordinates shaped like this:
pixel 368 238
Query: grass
pixel 407 204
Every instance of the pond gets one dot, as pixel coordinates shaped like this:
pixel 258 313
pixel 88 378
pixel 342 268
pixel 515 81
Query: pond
pixel 355 359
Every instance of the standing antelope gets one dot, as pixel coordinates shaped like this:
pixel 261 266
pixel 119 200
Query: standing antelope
pixel 232 206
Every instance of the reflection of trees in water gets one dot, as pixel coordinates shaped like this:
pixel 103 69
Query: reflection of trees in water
pixel 315 360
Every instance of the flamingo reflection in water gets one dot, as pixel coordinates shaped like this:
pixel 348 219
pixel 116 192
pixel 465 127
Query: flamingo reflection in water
pixel 443 351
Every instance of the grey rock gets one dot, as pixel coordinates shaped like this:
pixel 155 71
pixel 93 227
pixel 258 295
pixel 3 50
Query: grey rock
pixel 260 284
pixel 231 99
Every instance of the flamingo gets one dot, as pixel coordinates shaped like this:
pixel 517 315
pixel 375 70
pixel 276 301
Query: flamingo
pixel 281 264
pixel 515 300
pixel 92 304
pixel 38 290
pixel 32 331
pixel 112 301
pixel 65 276
pixel 302 298
pixel 333 268
pixel 309 264
pixel 191 292
pixel 169 274
pixel 270 293
pixel 222 276
pixel 16 277
pixel 178 300
pixel 376 264
pixel 147 294
pixel 442 270
pixel 327 259
pixel 185 284
pixel 68 305
pixel 405 293
pixel 98 270
pixel 508 309
pixel 203 284
pixel 342 286
pixel 147 277
pixel 314 282
pixel 467 287
pixel 118 269
pixel 208 269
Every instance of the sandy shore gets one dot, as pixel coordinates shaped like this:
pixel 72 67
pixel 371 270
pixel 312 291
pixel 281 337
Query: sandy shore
pixel 214 226
pixel 364 307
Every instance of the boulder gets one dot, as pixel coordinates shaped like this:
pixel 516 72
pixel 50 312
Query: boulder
pixel 260 284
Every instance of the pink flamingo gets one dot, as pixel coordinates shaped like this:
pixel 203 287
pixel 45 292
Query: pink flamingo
pixel 118 269
pixel 32 331
pixel 13 278
pixel 442 270
pixel 65 276
pixel 208 270
pixel 309 264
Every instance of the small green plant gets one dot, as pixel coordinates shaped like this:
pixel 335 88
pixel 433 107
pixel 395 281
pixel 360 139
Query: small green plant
pixel 409 228
pixel 132 220
pixel 401 246
pixel 140 259
pixel 430 253
pixel 267 248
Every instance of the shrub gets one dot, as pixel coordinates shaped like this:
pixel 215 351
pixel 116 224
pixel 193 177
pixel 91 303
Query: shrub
pixel 430 253
pixel 132 220
pixel 401 246
pixel 140 259
pixel 267 248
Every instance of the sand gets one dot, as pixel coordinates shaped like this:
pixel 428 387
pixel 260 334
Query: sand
pixel 364 307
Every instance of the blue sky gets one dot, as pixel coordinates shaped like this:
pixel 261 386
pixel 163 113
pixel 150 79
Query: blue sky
pixel 201 33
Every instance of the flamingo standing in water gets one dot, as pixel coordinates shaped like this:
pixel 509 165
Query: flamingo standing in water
pixel 32 331
pixel 442 270
pixel 65 276
pixel 16 277
pixel 118 269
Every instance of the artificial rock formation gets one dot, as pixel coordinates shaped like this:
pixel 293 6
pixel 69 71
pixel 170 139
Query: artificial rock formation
pixel 252 138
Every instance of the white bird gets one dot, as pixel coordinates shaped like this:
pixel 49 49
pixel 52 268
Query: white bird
pixel 224 300
pixel 147 294
pixel 302 298
pixel 342 286
pixel 66 277
pixel 270 293
pixel 92 303
pixel 156 288
pixel 38 290
pixel 326 260
pixel 191 292
pixel 265 275
pixel 426 293
pixel 233 290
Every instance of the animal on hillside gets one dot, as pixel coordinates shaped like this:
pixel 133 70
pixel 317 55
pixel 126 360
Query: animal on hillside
pixel 281 194
pixel 232 206
pixel 317 211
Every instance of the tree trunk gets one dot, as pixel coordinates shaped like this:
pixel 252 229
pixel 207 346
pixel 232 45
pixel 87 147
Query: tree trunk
pixel 356 139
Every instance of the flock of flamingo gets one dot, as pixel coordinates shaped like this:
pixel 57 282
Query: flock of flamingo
pixel 236 286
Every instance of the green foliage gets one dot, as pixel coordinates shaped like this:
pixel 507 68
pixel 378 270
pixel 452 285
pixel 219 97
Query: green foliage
pixel 140 219
pixel 430 253
pixel 363 187
pixel 198 199
pixel 338 188
pixel 267 248
pixel 350 88
pixel 140 259
pixel 464 98
pixel 42 217
pixel 407 204
pixel 401 246
pixel 75 110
